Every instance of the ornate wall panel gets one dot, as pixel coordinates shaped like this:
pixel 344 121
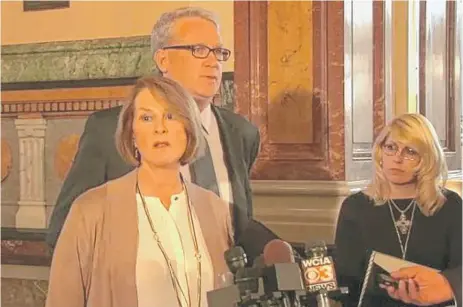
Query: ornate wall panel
pixel 291 87
pixel 440 74
pixel 365 83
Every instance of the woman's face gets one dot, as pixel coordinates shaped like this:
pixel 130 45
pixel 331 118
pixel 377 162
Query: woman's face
pixel 399 162
pixel 160 137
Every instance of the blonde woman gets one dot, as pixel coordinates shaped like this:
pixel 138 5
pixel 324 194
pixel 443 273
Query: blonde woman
pixel 405 212
pixel 148 238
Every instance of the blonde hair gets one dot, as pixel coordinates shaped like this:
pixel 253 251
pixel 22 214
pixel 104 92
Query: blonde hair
pixel 416 131
pixel 179 102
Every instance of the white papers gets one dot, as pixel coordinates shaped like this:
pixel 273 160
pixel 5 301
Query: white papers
pixel 390 263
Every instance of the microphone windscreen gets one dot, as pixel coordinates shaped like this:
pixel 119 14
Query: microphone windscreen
pixel 315 248
pixel 278 251
pixel 319 246
pixel 254 238
pixel 235 258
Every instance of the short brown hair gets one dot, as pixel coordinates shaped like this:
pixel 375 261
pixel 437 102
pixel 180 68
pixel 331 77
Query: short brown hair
pixel 179 102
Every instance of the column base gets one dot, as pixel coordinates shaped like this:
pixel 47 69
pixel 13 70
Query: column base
pixel 31 214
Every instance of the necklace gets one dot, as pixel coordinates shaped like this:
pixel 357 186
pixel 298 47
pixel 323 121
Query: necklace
pixel 175 282
pixel 402 224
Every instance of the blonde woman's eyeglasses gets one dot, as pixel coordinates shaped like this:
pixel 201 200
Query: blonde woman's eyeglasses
pixel 406 152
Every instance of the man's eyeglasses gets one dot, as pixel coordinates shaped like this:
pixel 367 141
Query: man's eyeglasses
pixel 202 52
pixel 407 153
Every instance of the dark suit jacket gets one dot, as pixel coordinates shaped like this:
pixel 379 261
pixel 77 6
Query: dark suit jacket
pixel 98 161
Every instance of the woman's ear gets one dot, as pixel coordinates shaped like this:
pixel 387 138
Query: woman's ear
pixel 161 59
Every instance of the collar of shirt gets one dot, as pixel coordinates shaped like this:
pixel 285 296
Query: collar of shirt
pixel 206 118
pixel 178 198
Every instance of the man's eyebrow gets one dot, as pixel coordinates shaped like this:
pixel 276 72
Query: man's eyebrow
pixel 219 45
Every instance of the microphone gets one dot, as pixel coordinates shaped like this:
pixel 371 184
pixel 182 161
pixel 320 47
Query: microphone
pixel 235 258
pixel 254 238
pixel 318 269
pixel 281 272
pixel 278 251
pixel 282 276
pixel 276 280
pixel 271 281
pixel 224 297
pixel 246 279
pixel 319 274
pixel 247 286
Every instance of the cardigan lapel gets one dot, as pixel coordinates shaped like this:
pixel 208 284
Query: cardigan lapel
pixel 209 228
pixel 122 241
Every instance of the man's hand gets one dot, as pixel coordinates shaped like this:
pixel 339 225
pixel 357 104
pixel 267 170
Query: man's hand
pixel 420 286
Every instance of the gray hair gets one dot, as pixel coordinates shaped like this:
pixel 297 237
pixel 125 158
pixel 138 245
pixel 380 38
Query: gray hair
pixel 161 33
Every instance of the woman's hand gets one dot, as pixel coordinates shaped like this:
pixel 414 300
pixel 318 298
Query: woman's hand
pixel 420 286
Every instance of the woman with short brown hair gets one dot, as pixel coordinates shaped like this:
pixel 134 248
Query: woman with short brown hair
pixel 148 238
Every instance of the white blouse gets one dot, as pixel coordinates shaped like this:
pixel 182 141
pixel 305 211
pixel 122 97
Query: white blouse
pixel 154 283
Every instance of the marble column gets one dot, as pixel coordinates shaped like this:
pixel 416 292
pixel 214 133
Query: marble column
pixel 32 211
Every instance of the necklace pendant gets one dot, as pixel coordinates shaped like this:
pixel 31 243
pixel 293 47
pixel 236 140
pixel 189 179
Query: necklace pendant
pixel 403 224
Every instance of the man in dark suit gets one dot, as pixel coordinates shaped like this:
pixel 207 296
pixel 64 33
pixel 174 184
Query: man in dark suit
pixel 186 46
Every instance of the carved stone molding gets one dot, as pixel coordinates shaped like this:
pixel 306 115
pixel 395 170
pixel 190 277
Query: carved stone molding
pixel 60 101
pixel 65 153
pixel 306 187
pixel 57 108
pixel 7 159
pixel 52 61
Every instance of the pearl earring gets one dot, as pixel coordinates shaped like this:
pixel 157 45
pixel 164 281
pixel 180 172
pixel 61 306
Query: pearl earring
pixel 137 154
pixel 136 151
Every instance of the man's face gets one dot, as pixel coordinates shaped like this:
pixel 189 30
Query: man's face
pixel 201 77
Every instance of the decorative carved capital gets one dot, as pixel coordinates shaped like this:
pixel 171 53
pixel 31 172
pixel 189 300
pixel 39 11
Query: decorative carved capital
pixel 31 127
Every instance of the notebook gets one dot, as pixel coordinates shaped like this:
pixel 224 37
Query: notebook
pixel 380 263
